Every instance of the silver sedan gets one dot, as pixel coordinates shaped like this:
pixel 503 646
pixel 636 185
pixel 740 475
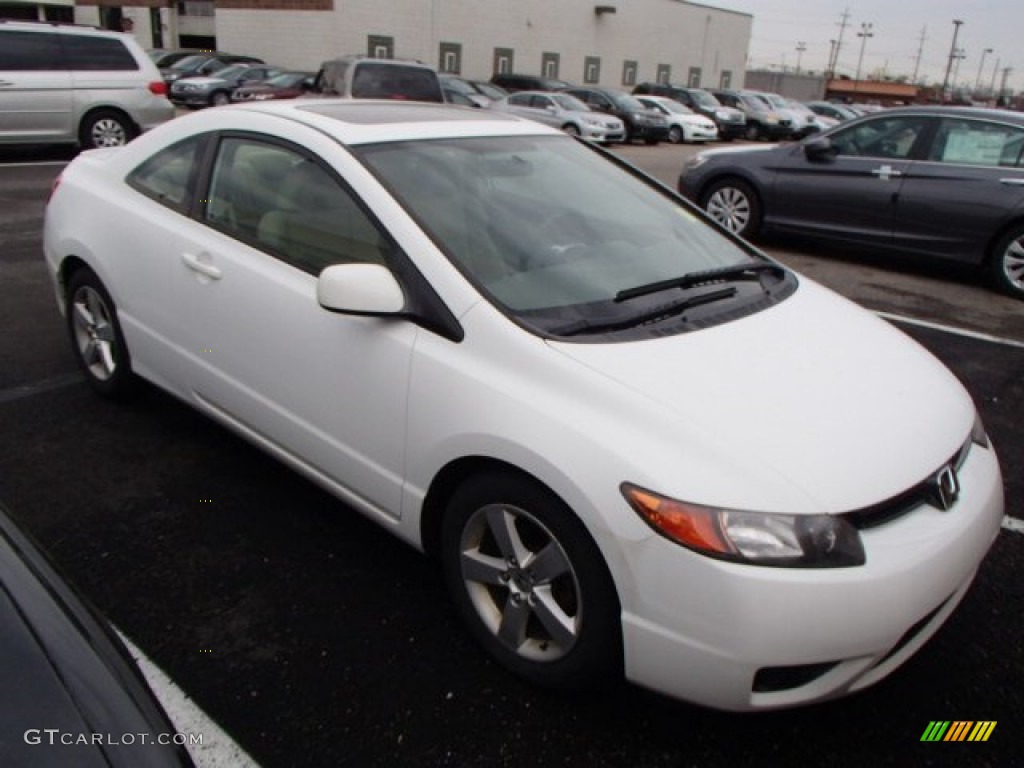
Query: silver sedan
pixel 564 111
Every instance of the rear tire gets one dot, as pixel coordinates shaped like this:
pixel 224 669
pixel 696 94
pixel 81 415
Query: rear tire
pixel 1006 263
pixel 530 583
pixel 96 337
pixel 105 128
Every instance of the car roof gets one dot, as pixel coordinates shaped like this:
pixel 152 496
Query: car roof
pixel 985 113
pixel 370 121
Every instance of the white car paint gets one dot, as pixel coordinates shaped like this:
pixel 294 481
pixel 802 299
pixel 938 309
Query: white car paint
pixel 809 406
pixel 695 128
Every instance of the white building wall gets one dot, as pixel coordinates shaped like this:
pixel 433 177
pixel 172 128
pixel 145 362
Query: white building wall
pixel 651 32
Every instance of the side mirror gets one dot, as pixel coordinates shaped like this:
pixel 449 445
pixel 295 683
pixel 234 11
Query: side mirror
pixel 819 149
pixel 360 289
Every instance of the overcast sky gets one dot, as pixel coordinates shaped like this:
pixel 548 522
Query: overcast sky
pixel 897 26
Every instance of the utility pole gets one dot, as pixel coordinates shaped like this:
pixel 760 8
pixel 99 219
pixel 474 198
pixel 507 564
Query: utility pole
pixel 1002 85
pixel 995 70
pixel 949 64
pixel 977 82
pixel 834 63
pixel 981 65
pixel 920 53
pixel 864 34
pixel 800 48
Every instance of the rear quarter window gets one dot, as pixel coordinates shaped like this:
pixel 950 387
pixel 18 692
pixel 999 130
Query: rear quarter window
pixel 30 51
pixel 97 54
pixel 387 81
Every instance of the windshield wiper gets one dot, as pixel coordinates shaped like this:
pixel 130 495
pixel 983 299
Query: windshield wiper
pixel 658 313
pixel 733 272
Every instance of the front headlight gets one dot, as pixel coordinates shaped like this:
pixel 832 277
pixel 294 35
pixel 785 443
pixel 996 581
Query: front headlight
pixel 593 121
pixel 754 538
pixel 695 162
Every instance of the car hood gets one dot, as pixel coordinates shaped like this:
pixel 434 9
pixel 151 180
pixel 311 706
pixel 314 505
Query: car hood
pixel 814 405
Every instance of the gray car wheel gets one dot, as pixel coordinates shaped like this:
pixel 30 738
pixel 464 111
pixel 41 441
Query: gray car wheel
pixel 1007 262
pixel 105 129
pixel 733 204
pixel 96 337
pixel 219 99
pixel 530 583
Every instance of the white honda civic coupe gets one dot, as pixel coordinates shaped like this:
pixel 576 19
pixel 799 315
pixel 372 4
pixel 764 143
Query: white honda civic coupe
pixel 635 444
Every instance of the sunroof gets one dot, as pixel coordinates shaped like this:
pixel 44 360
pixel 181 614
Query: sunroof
pixel 377 113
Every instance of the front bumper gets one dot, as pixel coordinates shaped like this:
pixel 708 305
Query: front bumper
pixel 190 98
pixel 731 130
pixel 712 632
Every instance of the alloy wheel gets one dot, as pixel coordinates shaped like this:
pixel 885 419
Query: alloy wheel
pixel 521 582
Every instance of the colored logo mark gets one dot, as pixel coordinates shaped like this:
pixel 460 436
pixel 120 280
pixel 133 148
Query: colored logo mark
pixel 958 730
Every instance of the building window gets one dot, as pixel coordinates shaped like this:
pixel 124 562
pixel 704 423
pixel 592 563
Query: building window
pixel 503 61
pixel 664 74
pixel 549 63
pixel 693 79
pixel 629 72
pixel 450 59
pixel 380 46
pixel 592 70
pixel 725 81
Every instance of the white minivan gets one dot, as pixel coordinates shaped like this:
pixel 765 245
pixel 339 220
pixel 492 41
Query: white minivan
pixel 61 83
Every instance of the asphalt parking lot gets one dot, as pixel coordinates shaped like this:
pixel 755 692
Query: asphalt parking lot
pixel 316 639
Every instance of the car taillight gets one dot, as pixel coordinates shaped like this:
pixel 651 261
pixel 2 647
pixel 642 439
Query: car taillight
pixel 158 88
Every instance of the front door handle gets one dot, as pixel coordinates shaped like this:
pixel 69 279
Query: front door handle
pixel 1012 182
pixel 886 172
pixel 193 262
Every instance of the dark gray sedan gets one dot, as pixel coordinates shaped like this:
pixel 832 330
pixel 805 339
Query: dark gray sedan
pixel 935 181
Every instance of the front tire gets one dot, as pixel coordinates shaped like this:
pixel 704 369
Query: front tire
pixel 105 128
pixel 96 337
pixel 219 99
pixel 530 583
pixel 752 132
pixel 734 204
pixel 676 135
pixel 1006 263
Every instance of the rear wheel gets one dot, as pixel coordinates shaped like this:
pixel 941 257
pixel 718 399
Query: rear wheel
pixel 1007 262
pixel 96 337
pixel 734 204
pixel 530 583
pixel 105 128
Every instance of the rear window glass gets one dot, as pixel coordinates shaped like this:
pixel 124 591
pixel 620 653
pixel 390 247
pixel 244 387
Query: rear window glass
pixel 391 81
pixel 29 51
pixel 97 53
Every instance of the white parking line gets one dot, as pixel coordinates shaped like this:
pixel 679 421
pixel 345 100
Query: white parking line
pixel 218 750
pixel 951 329
pixel 1013 524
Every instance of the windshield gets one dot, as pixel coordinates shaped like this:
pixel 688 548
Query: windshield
pixel 565 101
pixel 705 99
pixel 490 91
pixel 287 79
pixel 550 230
pixel 625 102
pixel 189 62
pixel 668 105
pixel 232 71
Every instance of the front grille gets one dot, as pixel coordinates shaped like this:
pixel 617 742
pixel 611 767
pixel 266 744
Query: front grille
pixel 897 506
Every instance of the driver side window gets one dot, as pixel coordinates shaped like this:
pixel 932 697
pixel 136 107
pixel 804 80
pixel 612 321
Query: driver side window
pixel 890 137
